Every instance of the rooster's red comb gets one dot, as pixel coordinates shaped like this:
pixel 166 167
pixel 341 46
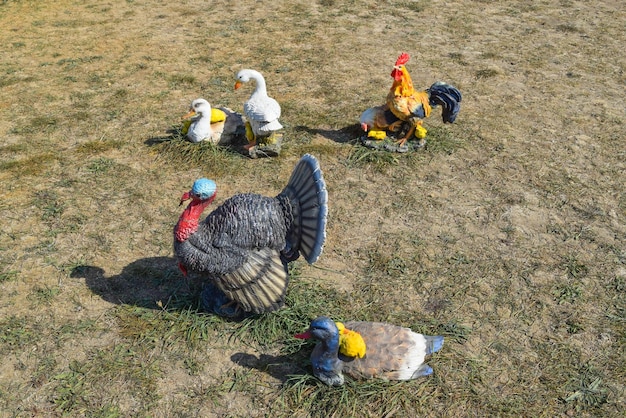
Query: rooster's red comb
pixel 403 59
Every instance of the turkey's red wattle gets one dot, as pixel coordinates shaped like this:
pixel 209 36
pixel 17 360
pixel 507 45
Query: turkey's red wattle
pixel 190 218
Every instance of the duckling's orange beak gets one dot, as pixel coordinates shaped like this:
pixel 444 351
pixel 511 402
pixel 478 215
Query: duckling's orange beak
pixel 188 115
pixel 238 84
pixel 304 335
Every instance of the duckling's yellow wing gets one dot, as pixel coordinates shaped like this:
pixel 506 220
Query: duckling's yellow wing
pixel 217 115
pixel 185 128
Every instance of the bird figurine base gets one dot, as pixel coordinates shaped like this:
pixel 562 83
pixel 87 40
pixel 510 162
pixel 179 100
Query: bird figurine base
pixel 388 140
pixel 264 147
pixel 214 301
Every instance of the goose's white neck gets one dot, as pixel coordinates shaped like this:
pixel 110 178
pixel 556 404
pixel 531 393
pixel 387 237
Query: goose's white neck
pixel 260 81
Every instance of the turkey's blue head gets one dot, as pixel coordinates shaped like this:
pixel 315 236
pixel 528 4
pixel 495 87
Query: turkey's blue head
pixel 201 194
pixel 202 189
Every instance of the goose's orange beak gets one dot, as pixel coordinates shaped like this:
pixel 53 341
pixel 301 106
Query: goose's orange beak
pixel 238 84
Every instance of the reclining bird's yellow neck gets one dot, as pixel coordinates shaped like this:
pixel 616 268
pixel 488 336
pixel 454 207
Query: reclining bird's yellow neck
pixel 351 344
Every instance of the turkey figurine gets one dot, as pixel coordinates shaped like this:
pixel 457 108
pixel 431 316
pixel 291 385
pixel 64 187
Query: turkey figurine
pixel 244 245
pixel 205 123
pixel 413 106
pixel 365 350
pixel 262 112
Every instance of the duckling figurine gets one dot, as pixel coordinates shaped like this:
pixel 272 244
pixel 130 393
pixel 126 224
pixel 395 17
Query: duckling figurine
pixel 203 122
pixel 386 351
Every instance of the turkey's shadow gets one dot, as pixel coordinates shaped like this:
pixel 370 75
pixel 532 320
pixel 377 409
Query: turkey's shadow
pixel 279 367
pixel 153 282
pixel 350 133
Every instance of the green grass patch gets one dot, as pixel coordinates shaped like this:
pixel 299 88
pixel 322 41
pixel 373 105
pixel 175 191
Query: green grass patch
pixel 181 80
pixel 486 73
pixel 443 140
pixel 98 146
pixel 187 326
pixel 36 125
pixel 45 294
pixel 16 333
pixel 29 166
pixel 217 161
pixel 8 276
pixel 304 394
pixel 381 161
pixel 90 385
pixel 100 165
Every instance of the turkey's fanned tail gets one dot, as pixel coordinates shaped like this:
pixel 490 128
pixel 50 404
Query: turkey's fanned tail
pixel 259 285
pixel 448 97
pixel 307 200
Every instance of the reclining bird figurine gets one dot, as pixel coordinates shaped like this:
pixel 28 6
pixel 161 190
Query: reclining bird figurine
pixel 204 122
pixel 244 245
pixel 365 350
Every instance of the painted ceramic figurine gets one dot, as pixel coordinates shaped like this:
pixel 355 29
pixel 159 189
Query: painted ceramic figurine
pixel 405 109
pixel 205 122
pixel 220 126
pixel 365 350
pixel 242 248
pixel 261 112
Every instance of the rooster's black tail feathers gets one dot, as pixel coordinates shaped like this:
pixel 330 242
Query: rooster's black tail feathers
pixel 448 97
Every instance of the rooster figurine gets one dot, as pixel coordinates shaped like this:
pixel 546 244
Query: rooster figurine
pixel 413 106
pixel 244 245
pixel 365 350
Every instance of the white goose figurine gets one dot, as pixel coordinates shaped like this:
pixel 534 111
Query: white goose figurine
pixel 208 123
pixel 261 110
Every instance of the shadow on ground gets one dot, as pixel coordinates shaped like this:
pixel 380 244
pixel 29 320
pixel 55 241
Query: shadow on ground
pixel 152 282
pixel 279 367
pixel 344 135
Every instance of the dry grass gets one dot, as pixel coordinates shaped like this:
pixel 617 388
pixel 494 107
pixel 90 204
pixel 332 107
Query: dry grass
pixel 506 234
